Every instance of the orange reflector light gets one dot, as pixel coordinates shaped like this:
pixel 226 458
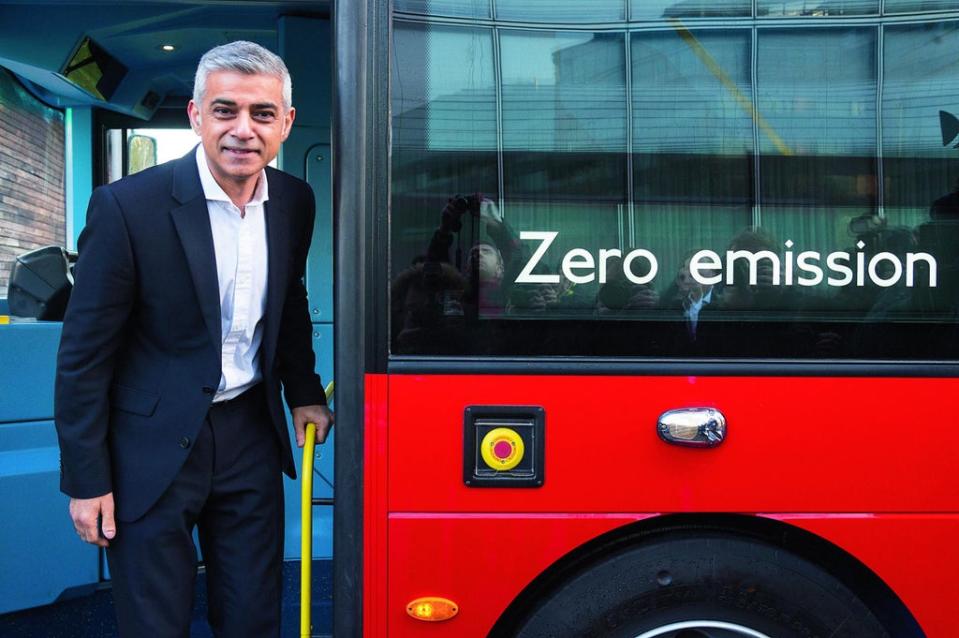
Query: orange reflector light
pixel 432 609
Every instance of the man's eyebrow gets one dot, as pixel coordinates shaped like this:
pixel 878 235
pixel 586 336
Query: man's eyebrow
pixel 258 106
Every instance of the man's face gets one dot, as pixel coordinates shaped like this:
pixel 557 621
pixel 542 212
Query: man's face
pixel 241 123
pixel 488 261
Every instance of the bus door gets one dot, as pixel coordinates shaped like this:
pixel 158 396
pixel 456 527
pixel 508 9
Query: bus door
pixel 90 93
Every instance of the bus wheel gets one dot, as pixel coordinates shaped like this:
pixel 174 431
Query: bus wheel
pixel 707 585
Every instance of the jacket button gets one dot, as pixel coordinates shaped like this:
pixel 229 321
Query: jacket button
pixel 207 389
pixel 185 442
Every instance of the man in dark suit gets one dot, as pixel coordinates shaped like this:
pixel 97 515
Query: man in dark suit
pixel 188 312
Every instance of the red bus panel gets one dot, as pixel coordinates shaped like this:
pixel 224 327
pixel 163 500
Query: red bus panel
pixel 784 458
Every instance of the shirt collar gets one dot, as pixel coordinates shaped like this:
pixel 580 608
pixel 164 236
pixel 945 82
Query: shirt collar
pixel 213 192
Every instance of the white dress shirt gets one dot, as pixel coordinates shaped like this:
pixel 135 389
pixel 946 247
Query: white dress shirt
pixel 239 240
pixel 692 307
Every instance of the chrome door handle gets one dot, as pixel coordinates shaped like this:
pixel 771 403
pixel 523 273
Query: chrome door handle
pixel 692 427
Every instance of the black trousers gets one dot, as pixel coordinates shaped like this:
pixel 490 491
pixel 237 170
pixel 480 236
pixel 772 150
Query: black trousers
pixel 231 489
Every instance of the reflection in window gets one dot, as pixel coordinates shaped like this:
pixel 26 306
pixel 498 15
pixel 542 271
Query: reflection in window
pixel 813 8
pixel 658 9
pixel 692 140
pixel 561 10
pixel 909 6
pixel 171 143
pixel 94 70
pixel 464 8
pixel 564 136
pixel 920 103
pixel 920 154
pixel 715 147
pixel 129 151
pixel 817 101
pixel 444 131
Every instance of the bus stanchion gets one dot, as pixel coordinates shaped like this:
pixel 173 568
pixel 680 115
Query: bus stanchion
pixel 306 531
pixel 306 525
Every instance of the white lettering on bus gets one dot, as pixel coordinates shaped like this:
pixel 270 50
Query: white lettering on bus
pixel 585 262
pixel 789 262
pixel 802 262
pixel 527 276
pixel 911 259
pixel 604 254
pixel 714 264
pixel 832 260
pixel 706 267
pixel 753 259
pixel 636 254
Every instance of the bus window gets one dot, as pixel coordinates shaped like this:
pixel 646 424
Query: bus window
pixel 820 8
pixel 784 191
pixel 658 9
pixel 464 8
pixel 560 11
pixel 926 6
pixel 129 151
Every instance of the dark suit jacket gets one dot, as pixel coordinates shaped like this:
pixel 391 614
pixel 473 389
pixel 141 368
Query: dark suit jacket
pixel 139 358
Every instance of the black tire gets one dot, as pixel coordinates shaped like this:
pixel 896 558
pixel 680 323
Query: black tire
pixel 706 576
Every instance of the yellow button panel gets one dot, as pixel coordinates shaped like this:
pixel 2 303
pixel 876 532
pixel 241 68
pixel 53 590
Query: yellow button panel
pixel 504 446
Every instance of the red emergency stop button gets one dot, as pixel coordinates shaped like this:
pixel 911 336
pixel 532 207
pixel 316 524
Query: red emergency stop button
pixel 502 449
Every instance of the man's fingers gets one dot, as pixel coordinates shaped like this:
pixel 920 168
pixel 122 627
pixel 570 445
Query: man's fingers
pixel 86 527
pixel 108 524
pixel 89 530
pixel 299 428
pixel 99 541
pixel 322 431
pixel 87 514
pixel 318 415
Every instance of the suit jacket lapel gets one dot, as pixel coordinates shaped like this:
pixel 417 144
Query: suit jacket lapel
pixel 192 221
pixel 279 245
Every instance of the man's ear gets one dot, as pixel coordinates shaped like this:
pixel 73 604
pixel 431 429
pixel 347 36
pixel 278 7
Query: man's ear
pixel 193 112
pixel 288 122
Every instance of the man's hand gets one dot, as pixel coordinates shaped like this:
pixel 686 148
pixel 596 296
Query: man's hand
pixel 90 515
pixel 317 414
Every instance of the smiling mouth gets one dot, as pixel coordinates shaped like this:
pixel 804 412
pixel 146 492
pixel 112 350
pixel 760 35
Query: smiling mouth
pixel 241 152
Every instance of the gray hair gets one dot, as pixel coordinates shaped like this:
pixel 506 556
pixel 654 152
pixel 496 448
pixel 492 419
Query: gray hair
pixel 242 57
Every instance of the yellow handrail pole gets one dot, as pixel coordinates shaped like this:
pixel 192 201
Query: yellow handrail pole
pixel 306 532
pixel 306 527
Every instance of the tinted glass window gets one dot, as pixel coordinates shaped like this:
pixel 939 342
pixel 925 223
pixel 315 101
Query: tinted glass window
pixel 659 9
pixel 444 134
pixel 920 122
pixel 909 6
pixel 813 8
pixel 466 8
pixel 693 167
pixel 716 190
pixel 817 136
pixel 564 147
pixel 561 10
